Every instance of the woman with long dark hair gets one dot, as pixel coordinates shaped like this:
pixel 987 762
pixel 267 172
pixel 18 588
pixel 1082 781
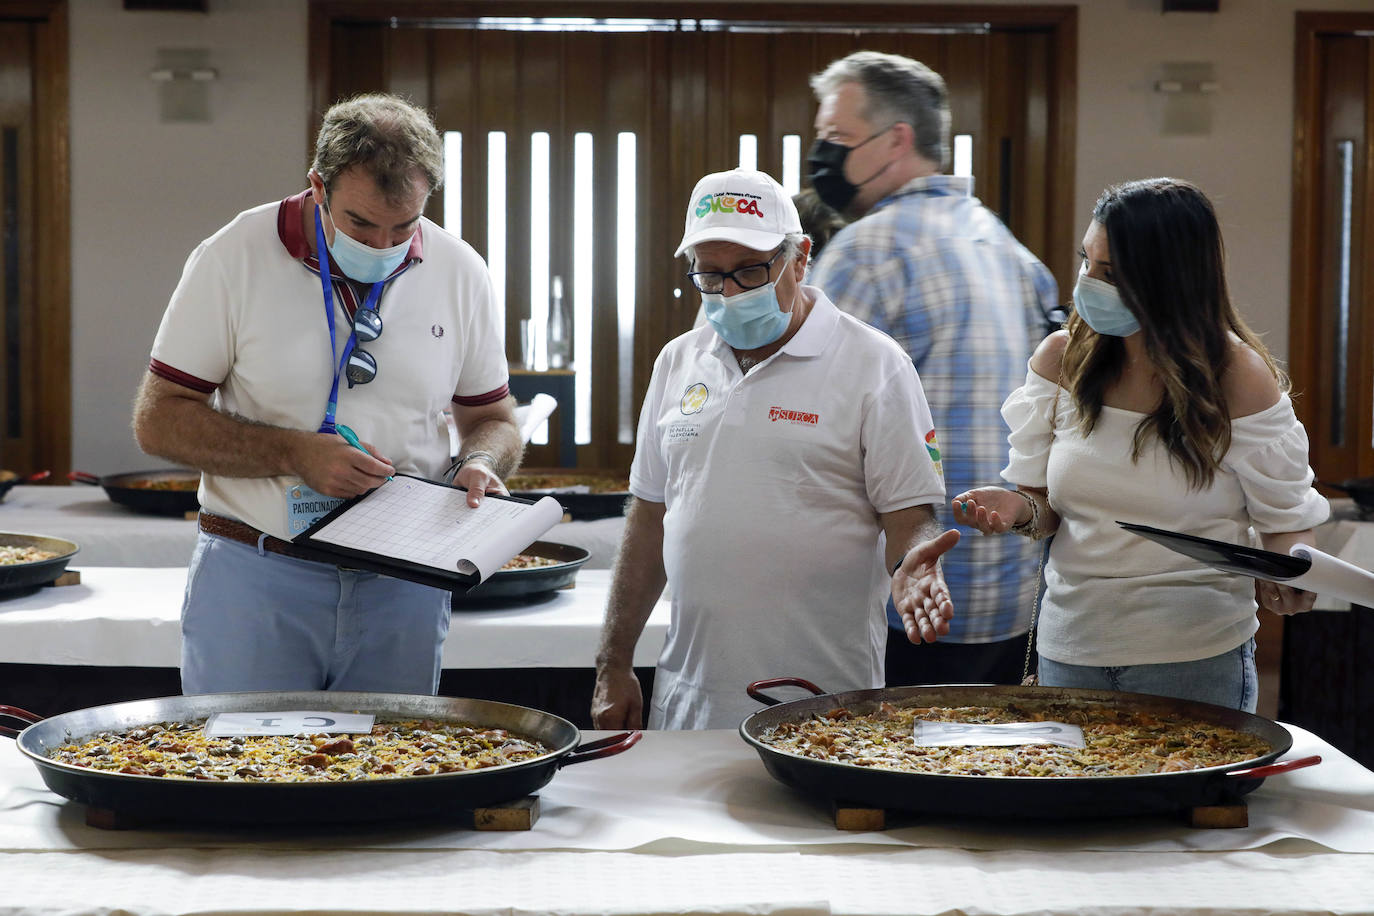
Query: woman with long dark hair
pixel 1156 405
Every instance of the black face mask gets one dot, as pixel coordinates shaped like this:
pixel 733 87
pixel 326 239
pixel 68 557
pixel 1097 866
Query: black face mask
pixel 825 169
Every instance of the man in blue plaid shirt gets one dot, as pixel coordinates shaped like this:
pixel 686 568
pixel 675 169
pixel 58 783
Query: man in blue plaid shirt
pixel 931 266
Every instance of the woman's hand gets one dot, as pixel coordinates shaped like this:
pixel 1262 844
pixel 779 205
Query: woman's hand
pixel 992 510
pixel 1283 600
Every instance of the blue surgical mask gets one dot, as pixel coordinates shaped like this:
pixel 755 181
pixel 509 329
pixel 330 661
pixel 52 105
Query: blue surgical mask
pixel 363 263
pixel 1099 304
pixel 748 320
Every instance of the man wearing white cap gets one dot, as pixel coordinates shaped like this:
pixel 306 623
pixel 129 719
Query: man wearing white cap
pixel 775 445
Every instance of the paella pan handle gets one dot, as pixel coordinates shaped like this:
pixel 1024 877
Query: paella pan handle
pixel 14 712
pixel 603 747
pixel 755 689
pixel 1274 769
pixel 83 477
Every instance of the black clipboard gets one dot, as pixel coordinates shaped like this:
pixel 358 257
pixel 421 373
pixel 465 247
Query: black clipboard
pixel 1227 557
pixel 384 564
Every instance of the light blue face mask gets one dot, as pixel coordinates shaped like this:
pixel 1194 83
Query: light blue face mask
pixel 363 263
pixel 1099 304
pixel 748 320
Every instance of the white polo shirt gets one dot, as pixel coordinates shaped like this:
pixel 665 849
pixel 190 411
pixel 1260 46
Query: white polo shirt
pixel 248 322
pixel 773 483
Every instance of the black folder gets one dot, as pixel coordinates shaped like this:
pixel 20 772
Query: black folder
pixel 1227 557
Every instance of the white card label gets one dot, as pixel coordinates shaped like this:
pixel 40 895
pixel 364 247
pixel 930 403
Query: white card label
pixel 962 734
pixel 290 722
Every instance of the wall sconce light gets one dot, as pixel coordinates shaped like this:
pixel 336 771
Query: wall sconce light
pixel 1203 86
pixel 1182 97
pixel 164 74
pixel 183 77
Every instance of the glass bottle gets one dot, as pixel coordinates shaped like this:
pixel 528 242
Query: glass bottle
pixel 560 329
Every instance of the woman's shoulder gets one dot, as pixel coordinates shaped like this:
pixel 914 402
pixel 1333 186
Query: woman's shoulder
pixel 1049 355
pixel 1249 383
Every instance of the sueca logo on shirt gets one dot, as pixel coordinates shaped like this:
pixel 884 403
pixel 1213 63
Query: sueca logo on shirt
pixel 725 202
pixel 792 416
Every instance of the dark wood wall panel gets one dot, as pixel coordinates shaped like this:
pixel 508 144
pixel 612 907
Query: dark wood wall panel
pixel 687 96
pixel 455 89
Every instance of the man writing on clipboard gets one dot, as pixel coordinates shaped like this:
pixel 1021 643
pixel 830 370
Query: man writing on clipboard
pixel 340 304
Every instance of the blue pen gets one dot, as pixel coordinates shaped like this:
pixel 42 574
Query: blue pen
pixel 352 439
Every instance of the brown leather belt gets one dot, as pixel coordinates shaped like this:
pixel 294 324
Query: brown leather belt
pixel 247 534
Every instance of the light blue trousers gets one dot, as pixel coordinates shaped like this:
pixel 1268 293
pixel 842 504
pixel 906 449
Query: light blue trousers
pixel 1228 679
pixel 263 621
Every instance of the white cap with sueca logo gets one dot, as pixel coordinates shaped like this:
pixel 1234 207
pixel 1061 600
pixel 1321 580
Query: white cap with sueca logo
pixel 743 206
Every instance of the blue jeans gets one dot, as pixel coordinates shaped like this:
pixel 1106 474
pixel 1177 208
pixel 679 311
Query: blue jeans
pixel 1228 679
pixel 263 621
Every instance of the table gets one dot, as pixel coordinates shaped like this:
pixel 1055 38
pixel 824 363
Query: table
pixel 107 533
pixel 691 822
pixel 1325 682
pixel 119 632
pixel 132 617
pixel 113 535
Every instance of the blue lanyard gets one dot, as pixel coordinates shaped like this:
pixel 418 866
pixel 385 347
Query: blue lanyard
pixel 331 409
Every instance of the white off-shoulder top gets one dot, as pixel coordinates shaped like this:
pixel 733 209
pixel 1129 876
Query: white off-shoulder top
pixel 1114 598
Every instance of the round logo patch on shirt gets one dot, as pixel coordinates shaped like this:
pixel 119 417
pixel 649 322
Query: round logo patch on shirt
pixel 933 448
pixel 694 399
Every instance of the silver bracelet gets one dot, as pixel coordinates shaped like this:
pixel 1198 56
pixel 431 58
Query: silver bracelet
pixel 488 457
pixel 1031 527
pixel 457 466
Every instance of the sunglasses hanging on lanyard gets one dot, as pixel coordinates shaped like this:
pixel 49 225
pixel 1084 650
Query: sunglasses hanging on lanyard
pixel 356 365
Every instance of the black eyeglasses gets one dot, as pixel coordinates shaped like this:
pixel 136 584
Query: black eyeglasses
pixel 750 276
pixel 362 366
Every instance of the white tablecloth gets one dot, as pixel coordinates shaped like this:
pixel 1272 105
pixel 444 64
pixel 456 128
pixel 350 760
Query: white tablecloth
pixel 113 535
pixel 691 822
pixel 131 617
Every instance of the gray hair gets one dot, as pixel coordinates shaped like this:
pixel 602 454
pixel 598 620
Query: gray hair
pixel 393 140
pixel 896 88
pixel 791 247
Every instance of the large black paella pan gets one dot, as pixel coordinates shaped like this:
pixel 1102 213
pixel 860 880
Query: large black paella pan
pixel 1011 796
pixel 152 798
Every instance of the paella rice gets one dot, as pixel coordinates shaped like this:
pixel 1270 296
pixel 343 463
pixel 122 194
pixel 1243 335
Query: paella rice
pixel 1119 741
pixel 14 555
pixel 528 561
pixel 392 749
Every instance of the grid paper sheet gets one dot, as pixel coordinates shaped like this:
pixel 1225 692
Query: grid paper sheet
pixel 431 524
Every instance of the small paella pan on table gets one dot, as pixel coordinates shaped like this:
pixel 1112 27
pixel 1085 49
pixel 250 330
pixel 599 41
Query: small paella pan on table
pixel 585 495
pixel 421 757
pixel 30 560
pixel 9 480
pixel 860 747
pixel 168 491
pixel 542 567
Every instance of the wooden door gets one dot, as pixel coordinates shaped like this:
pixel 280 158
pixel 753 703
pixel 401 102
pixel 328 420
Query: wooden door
pixel 1332 309
pixel 35 322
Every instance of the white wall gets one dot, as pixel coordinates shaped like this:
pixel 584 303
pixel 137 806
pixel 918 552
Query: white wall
pixel 145 193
